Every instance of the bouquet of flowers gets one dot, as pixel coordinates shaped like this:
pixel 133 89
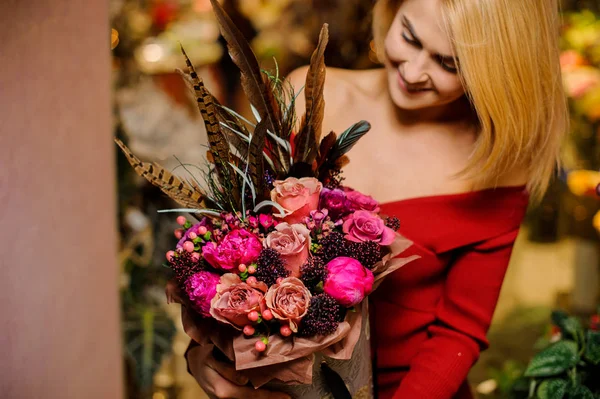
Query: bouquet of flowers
pixel 276 267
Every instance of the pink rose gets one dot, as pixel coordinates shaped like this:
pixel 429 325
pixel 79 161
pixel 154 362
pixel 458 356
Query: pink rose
pixel 297 196
pixel 235 299
pixel 238 246
pixel 292 242
pixel 201 289
pixel 359 201
pixel 366 226
pixel 289 301
pixel 348 282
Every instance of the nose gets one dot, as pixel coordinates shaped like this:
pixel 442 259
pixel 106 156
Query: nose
pixel 414 70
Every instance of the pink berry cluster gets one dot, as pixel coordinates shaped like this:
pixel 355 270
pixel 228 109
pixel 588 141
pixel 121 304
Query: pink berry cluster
pixel 255 318
pixel 189 241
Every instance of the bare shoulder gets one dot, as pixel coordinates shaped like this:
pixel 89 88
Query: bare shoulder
pixel 344 89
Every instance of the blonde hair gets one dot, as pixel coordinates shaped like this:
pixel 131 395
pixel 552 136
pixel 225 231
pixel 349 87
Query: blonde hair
pixel 509 65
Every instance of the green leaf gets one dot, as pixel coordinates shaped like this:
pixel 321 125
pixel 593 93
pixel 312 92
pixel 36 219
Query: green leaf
pixel 592 347
pixel 554 360
pixel 319 287
pixel 573 328
pixel 187 224
pixel 552 389
pixel 569 326
pixel 148 334
pixel 579 392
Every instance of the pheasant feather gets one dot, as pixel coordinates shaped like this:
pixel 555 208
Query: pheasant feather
pixel 309 133
pixel 178 190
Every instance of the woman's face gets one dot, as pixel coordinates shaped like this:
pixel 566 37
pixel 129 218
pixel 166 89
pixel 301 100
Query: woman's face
pixel 421 70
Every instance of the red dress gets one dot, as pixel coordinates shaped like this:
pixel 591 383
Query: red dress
pixel 430 318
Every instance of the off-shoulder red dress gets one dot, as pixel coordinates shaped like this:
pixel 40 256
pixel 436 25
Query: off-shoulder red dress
pixel 430 318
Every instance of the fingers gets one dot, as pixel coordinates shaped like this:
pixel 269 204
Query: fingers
pixel 226 371
pixel 220 380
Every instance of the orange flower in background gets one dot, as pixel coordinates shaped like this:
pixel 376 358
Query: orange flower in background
pixel 580 80
pixel 570 60
pixel 583 182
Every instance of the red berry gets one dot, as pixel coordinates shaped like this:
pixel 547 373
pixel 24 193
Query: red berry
pixel 286 331
pixel 251 269
pixel 181 220
pixel 249 330
pixel 260 346
pixel 242 268
pixel 178 233
pixel 253 316
pixel 202 230
pixel 267 315
pixel 170 255
pixel 188 246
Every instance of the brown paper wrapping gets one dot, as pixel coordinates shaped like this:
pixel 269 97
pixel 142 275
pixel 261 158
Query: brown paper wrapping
pixel 291 364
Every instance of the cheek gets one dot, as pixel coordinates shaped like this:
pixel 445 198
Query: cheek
pixel 449 86
pixel 394 45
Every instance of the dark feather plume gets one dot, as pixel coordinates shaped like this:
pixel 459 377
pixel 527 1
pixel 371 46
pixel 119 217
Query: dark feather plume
pixel 219 147
pixel 309 133
pixel 259 93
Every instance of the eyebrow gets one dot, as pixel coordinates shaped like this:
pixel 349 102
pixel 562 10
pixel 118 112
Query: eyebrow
pixel 411 29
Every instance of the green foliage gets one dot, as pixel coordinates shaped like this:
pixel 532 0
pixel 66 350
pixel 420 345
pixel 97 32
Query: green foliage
pixel 568 368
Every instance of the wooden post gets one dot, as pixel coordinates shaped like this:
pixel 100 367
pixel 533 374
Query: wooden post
pixel 59 310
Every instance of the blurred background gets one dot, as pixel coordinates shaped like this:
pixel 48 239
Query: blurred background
pixel 556 261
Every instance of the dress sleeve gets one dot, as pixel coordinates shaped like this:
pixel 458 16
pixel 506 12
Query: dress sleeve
pixel 463 317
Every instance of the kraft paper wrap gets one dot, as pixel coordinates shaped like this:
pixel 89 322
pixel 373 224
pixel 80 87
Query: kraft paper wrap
pixel 292 364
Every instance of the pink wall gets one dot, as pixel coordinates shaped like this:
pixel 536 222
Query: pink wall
pixel 59 324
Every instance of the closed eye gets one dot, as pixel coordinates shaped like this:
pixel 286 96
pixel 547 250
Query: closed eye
pixel 447 64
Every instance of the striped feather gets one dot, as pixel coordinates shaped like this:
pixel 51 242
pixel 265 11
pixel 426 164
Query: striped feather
pixel 178 190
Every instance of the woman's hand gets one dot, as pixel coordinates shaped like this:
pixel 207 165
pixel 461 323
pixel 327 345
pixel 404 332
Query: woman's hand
pixel 220 380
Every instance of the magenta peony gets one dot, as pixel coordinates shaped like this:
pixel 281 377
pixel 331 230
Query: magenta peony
pixel 289 301
pixel 201 289
pixel 297 196
pixel 235 300
pixel 237 247
pixel 348 282
pixel 366 226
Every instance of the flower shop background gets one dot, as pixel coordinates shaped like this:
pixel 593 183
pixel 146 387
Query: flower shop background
pixel 556 260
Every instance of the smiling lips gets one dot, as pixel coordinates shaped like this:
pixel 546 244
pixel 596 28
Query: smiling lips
pixel 404 85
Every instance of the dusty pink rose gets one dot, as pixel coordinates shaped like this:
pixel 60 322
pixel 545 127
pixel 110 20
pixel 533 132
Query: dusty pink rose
pixel 348 282
pixel 366 226
pixel 297 196
pixel 292 242
pixel 235 299
pixel 359 201
pixel 289 301
pixel 201 289
pixel 238 246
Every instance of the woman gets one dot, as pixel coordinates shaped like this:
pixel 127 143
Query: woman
pixel 467 117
